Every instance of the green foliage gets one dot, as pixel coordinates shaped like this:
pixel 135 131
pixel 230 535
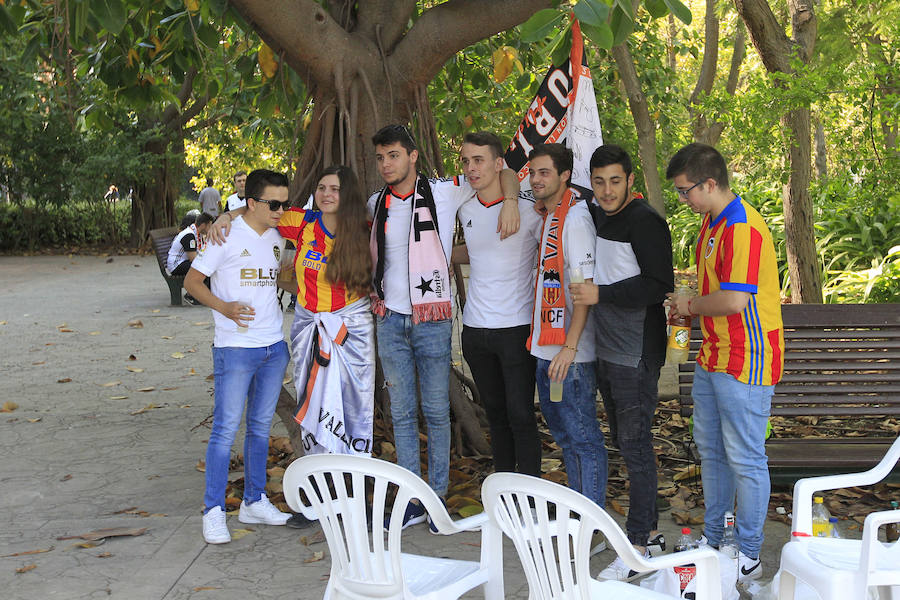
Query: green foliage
pixel 28 226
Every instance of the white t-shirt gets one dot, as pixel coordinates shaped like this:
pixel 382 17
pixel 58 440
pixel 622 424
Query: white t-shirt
pixel 578 251
pixel 180 246
pixel 449 193
pixel 501 275
pixel 245 269
pixel 233 202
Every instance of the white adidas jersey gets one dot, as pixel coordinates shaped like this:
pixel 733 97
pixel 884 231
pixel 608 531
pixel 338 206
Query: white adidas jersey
pixel 501 276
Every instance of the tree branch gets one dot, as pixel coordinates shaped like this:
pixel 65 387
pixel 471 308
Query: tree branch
pixel 172 110
pixel 766 33
pixel 390 16
pixel 449 27
pixel 304 32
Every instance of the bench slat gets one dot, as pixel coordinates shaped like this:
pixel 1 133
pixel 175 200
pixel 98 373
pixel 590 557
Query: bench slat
pixel 844 344
pixel 792 377
pixel 795 336
pixel 874 354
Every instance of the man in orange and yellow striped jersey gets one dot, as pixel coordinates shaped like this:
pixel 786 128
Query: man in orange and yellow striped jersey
pixel 742 354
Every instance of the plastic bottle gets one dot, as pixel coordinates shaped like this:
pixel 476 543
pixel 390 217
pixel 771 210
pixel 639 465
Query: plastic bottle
pixel 685 572
pixel 729 545
pixel 833 525
pixel 892 530
pixel 821 527
pixel 678 347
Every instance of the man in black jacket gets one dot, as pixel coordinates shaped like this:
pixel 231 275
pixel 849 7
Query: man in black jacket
pixel 632 274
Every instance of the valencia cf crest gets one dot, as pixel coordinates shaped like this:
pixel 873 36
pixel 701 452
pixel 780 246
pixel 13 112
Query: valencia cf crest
pixel 552 287
pixel 709 247
pixel 277 252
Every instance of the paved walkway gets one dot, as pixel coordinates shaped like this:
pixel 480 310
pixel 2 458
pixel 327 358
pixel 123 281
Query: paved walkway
pixel 109 419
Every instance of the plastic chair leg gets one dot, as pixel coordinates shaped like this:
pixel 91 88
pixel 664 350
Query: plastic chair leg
pixel 786 586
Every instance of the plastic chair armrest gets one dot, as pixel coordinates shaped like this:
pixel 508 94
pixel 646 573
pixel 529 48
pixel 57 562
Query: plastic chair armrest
pixel 873 522
pixel 473 523
pixel 698 556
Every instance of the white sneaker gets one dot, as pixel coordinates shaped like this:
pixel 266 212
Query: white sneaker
pixel 215 531
pixel 262 511
pixel 617 571
pixel 749 568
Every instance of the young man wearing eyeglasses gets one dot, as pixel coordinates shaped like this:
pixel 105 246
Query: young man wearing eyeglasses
pixel 412 233
pixel 249 351
pixel 742 354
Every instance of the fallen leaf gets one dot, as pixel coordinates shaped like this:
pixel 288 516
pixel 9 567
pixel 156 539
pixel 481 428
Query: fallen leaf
pixel 316 557
pixel 91 544
pixel 148 389
pixel 26 568
pixel 66 477
pixel 616 506
pixel 94 333
pixel 145 409
pixel 2 322
pixel 167 337
pixel 237 534
pixel 135 323
pixel 111 383
pixel 688 472
pixel 470 510
pixel 100 534
pixel 201 466
pixel 155 310
pixel 681 518
pixel 64 380
pixel 27 552
pixel 192 371
pixel 199 323
pixel 34 420
pixel 125 510
pixel 104 555
pixel 8 407
pixel 210 377
pixel 40 362
pixel 177 355
pixel 118 397
pixel 169 389
pixel 132 357
pixel 135 369
pixel 185 406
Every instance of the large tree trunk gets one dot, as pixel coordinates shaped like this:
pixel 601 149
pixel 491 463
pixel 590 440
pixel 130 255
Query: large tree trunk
pixel 646 128
pixel 153 203
pixel 776 51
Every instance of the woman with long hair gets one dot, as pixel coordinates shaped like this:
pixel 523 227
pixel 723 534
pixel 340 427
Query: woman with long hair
pixel 332 336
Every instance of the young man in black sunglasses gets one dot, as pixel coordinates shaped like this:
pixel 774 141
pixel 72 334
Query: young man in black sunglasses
pixel 249 351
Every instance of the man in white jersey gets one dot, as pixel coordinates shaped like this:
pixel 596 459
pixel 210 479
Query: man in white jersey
pixel 562 337
pixel 497 315
pixel 412 233
pixel 237 199
pixel 249 351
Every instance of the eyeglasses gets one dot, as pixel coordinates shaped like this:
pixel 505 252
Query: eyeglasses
pixel 684 193
pixel 276 204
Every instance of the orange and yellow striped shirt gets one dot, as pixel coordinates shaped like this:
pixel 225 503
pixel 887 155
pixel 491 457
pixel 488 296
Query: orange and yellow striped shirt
pixel 735 252
pixel 314 244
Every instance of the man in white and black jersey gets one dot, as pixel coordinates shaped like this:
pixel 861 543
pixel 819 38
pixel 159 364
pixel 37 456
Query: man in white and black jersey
pixel 237 199
pixel 185 246
pixel 249 351
pixel 412 233
pixel 632 275
pixel 497 315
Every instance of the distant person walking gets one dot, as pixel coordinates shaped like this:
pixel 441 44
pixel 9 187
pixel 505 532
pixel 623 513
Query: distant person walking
pixel 112 195
pixel 210 199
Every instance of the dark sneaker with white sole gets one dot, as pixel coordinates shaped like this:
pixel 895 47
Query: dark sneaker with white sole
pixel 657 543
pixel 413 515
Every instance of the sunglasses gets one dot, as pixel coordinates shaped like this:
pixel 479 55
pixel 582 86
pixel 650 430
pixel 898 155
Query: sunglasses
pixel 276 204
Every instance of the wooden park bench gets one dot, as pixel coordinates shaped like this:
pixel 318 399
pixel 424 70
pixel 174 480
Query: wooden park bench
pixel 162 241
pixel 842 361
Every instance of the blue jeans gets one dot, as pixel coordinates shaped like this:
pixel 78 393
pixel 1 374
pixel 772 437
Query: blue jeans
pixel 730 430
pixel 405 349
pixel 254 375
pixel 574 425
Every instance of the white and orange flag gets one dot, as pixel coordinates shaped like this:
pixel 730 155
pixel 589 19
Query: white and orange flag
pixel 564 110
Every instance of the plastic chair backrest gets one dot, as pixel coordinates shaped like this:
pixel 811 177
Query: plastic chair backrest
pixel 804 488
pixel 337 489
pixel 543 542
pixel 879 563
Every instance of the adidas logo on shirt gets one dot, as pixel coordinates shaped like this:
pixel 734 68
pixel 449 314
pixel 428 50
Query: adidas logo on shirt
pixel 245 253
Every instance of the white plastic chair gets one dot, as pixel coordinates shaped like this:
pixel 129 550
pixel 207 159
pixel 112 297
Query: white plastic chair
pixel 362 567
pixel 543 544
pixel 841 569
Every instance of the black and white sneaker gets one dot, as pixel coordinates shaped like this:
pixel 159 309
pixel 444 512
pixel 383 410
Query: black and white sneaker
pixel 191 300
pixel 749 568
pixel 657 543
pixel 617 571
